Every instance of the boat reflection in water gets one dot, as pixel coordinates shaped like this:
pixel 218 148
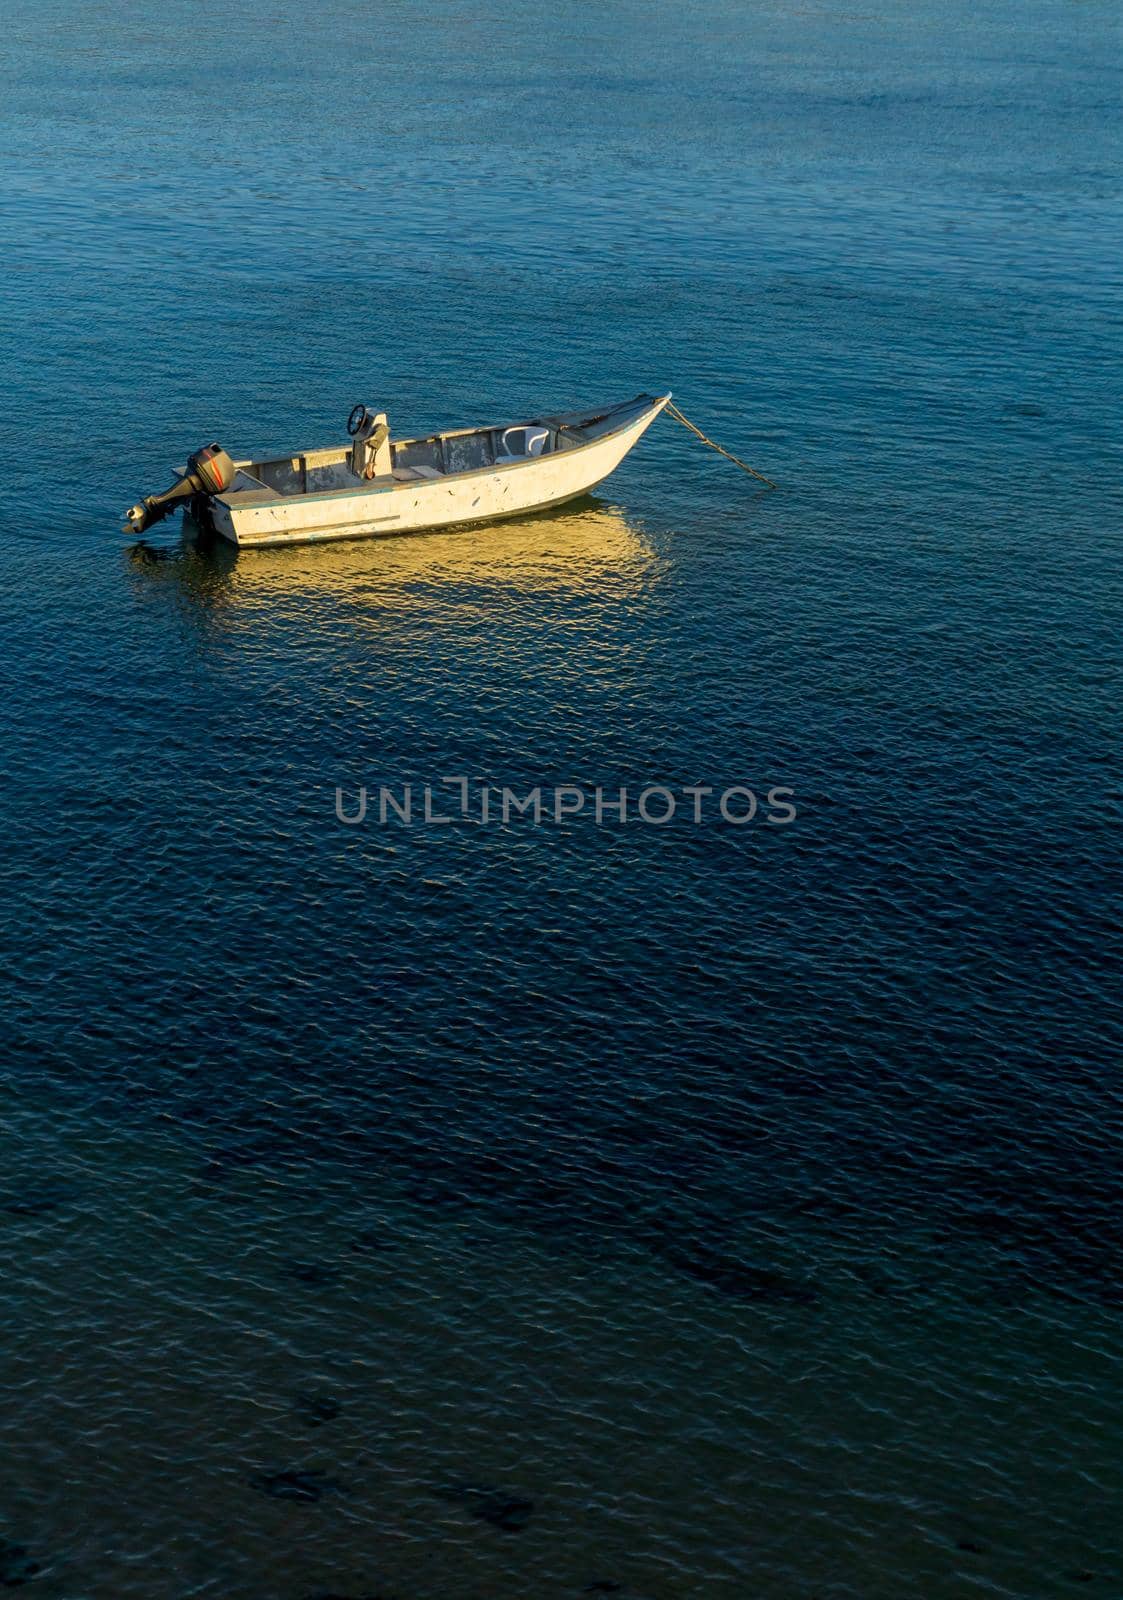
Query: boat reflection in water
pixel 589 550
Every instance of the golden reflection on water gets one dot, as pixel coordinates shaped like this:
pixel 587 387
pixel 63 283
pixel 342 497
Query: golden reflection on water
pixel 580 551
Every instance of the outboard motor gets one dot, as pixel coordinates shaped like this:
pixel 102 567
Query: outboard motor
pixel 209 471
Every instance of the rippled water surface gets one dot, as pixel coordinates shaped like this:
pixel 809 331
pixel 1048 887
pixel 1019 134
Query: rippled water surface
pixel 491 1212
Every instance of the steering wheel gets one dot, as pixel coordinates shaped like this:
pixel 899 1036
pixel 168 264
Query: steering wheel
pixel 355 421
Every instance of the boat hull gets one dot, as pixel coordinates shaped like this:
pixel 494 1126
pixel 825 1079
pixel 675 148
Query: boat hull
pixel 503 490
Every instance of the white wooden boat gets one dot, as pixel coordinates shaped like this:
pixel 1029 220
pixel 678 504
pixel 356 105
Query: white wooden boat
pixel 377 485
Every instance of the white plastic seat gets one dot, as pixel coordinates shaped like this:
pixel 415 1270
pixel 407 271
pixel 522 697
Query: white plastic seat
pixel 517 443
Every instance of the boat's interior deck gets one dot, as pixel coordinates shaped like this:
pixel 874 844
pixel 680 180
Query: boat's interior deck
pixel 434 456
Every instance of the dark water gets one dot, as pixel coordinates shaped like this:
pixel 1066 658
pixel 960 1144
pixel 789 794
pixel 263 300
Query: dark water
pixel 482 1212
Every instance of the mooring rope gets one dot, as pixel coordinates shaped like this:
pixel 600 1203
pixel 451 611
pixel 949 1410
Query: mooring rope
pixel 673 411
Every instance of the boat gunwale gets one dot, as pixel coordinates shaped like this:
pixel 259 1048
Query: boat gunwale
pixel 252 501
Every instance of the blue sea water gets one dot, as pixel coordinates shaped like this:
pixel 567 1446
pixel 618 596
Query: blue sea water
pixel 500 1212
